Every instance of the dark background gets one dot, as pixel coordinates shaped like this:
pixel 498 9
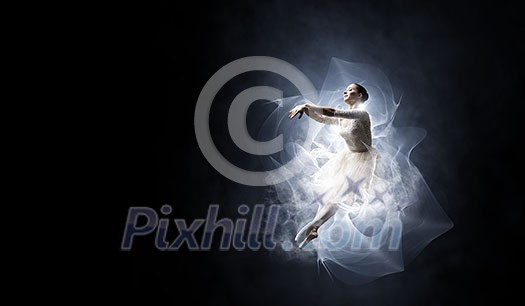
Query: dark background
pixel 456 66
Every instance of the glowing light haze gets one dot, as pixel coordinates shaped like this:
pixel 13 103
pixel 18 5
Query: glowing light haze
pixel 384 231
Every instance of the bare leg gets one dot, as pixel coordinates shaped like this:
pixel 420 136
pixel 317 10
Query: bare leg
pixel 309 231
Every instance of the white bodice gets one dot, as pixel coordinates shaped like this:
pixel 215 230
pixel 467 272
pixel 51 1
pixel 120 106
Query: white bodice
pixel 356 133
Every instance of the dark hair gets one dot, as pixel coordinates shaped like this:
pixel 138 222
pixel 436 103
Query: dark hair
pixel 362 90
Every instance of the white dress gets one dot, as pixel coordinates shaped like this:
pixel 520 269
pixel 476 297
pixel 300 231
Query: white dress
pixel 347 176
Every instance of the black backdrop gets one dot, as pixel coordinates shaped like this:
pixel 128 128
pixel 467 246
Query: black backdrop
pixel 456 66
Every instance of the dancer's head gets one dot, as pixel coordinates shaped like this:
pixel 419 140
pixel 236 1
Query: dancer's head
pixel 354 94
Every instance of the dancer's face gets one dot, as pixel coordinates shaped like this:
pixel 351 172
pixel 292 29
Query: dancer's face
pixel 351 95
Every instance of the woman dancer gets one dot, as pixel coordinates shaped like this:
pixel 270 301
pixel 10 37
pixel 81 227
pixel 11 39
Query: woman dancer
pixel 352 169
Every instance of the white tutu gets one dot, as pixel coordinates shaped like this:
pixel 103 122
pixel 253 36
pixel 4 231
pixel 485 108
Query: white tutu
pixel 345 177
pixel 363 240
pixel 386 214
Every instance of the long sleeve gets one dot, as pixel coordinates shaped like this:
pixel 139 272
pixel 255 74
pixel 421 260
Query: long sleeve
pixel 322 118
pixel 351 114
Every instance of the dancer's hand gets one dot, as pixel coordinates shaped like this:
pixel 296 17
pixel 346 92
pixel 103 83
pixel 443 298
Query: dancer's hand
pixel 299 109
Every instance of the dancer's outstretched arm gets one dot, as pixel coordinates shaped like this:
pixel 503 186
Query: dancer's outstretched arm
pixel 315 112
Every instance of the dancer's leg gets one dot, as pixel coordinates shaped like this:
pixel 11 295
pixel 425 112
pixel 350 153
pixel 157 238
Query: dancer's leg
pixel 309 231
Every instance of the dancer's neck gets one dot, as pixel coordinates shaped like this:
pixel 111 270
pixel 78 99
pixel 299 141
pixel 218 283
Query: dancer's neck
pixel 354 106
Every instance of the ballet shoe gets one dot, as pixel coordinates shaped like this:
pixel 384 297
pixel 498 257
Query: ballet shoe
pixel 312 234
